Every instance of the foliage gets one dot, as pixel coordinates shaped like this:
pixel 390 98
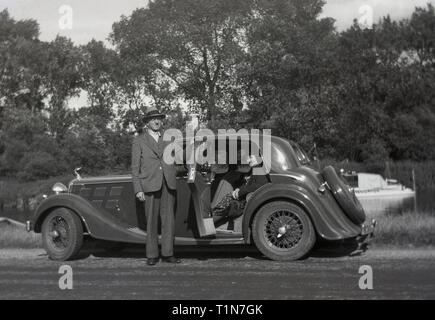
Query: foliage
pixel 189 46
pixel 362 95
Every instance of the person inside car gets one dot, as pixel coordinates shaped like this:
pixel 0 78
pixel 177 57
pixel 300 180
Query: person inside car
pixel 233 203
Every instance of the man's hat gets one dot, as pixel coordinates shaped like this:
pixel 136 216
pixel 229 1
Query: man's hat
pixel 153 113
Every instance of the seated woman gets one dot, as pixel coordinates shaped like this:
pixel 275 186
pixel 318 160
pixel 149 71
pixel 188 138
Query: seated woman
pixel 233 203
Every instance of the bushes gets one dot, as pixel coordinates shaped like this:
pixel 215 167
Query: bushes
pixel 97 149
pixel 373 155
pixel 30 152
pixel 40 165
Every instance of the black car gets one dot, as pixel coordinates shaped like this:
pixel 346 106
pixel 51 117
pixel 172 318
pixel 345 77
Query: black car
pixel 283 218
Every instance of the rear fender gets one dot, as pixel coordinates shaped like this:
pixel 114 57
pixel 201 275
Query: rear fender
pixel 98 224
pixel 329 224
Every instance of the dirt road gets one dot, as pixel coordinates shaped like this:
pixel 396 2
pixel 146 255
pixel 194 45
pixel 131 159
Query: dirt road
pixel 397 274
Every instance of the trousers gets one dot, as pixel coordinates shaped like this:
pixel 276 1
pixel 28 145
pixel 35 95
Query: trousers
pixel 160 203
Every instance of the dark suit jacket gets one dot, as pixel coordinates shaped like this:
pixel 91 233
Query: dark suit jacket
pixel 147 165
pixel 254 182
pixel 237 180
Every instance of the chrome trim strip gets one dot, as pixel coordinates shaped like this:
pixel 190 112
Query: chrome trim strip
pixel 292 176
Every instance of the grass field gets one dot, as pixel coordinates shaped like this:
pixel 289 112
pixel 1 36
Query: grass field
pixel 408 229
pixel 15 236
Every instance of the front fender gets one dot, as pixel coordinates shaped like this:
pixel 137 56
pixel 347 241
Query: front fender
pixel 329 223
pixel 97 224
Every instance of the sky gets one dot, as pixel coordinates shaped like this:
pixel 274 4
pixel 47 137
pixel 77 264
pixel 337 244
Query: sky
pixel 94 18
pixel 84 20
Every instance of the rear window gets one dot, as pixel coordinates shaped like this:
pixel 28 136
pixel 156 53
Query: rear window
pixel 301 154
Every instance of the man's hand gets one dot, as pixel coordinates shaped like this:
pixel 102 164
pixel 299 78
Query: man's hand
pixel 236 194
pixel 140 196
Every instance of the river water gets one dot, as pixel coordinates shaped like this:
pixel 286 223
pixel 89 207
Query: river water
pixel 424 202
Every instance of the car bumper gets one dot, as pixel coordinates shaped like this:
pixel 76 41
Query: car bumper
pixel 369 227
pixel 367 231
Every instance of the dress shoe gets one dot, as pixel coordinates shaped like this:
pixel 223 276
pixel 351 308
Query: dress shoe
pixel 152 261
pixel 171 259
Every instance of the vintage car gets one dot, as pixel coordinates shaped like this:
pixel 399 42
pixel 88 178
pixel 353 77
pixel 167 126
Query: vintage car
pixel 283 219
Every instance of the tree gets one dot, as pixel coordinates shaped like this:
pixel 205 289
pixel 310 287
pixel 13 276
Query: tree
pixel 21 64
pixel 289 69
pixel 26 145
pixel 98 72
pixel 62 81
pixel 87 146
pixel 389 92
pixel 193 44
pixel 420 34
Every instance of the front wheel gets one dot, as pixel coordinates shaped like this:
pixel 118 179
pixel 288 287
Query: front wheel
pixel 62 234
pixel 283 231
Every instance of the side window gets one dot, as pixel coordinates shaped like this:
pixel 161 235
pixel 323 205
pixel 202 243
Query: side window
pixel 280 161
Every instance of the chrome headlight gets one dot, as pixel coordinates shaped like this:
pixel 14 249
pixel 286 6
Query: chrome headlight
pixel 59 187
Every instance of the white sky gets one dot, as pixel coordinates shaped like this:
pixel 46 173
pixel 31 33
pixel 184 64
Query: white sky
pixel 91 18
pixel 344 11
pixel 94 18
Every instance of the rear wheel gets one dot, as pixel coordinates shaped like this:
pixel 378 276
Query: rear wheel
pixel 283 231
pixel 62 234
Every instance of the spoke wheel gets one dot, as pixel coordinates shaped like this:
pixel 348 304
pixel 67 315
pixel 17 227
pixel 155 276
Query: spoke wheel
pixel 283 231
pixel 62 234
pixel 59 232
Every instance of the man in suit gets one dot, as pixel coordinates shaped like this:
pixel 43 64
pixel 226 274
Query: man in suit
pixel 154 182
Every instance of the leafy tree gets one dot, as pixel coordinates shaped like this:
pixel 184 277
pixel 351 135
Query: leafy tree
pixel 419 34
pixel 99 77
pixel 62 81
pixel 193 46
pixel 86 145
pixel 21 64
pixel 39 165
pixel 389 91
pixel 24 134
pixel 289 70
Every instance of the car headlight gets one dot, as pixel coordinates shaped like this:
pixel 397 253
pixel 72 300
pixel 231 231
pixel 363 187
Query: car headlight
pixel 59 187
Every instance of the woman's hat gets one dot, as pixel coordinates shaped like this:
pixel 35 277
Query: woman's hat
pixel 153 113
